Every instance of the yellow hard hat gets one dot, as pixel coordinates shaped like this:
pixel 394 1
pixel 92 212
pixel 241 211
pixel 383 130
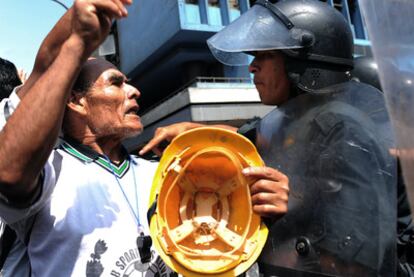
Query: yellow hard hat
pixel 203 223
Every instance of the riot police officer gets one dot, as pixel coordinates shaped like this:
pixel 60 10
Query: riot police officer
pixel 329 135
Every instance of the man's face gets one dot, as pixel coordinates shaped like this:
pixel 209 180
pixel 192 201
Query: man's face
pixel 270 77
pixel 111 104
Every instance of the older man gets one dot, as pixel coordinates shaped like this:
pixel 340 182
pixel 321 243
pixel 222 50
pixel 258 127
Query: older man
pixel 75 213
pixel 16 261
pixel 81 207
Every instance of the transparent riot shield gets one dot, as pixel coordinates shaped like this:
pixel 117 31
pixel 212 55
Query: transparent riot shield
pixel 390 27
pixel 334 146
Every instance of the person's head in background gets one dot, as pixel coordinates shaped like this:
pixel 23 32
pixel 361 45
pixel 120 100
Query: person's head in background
pixel 9 78
pixel 366 71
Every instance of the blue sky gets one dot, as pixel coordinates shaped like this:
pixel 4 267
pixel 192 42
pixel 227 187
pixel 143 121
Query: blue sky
pixel 23 26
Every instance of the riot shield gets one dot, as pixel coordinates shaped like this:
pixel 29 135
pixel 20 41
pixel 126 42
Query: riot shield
pixel 334 147
pixel 390 28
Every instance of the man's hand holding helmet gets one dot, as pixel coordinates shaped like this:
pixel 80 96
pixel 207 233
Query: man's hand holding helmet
pixel 209 192
pixel 269 192
pixel 269 189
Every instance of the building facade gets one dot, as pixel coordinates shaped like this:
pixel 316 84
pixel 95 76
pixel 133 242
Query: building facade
pixel 162 48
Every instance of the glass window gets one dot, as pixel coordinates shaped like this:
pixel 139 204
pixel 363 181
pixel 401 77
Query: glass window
pixel 234 4
pixel 214 3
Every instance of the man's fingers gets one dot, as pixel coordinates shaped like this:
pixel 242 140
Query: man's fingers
pixel 161 135
pixel 151 145
pixel 113 8
pixel 264 185
pixel 157 151
pixel 264 173
pixel 263 198
pixel 121 7
pixel 270 191
pixel 126 2
pixel 269 198
pixel 267 210
pixel 403 153
pixel 22 75
pixel 147 147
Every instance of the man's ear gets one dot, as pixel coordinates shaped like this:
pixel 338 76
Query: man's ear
pixel 77 103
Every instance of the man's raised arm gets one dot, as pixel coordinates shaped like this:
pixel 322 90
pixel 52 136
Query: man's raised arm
pixel 49 49
pixel 51 46
pixel 30 134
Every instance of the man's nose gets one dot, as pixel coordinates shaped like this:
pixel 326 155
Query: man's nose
pixel 253 67
pixel 133 92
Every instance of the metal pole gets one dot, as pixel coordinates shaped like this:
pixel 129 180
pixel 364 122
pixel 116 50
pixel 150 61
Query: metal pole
pixel 60 3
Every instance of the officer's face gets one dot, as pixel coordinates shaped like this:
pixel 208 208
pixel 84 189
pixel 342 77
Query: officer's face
pixel 270 77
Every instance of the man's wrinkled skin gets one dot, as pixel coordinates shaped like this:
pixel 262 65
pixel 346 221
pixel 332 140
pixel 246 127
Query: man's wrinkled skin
pixel 46 93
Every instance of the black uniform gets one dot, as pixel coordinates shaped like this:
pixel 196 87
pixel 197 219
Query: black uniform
pixel 332 139
pixel 333 145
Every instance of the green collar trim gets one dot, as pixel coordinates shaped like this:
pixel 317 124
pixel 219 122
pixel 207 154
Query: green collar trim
pixel 74 152
pixel 87 155
pixel 119 170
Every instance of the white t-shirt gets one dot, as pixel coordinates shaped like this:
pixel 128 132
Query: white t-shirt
pixel 17 262
pixel 82 224
pixel 8 105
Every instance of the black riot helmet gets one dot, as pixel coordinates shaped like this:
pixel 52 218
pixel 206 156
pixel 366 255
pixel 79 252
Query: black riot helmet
pixel 315 38
pixel 366 71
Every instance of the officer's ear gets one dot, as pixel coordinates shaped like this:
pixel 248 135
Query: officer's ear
pixel 77 102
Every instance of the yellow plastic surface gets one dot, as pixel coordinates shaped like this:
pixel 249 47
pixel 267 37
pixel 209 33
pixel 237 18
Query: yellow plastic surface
pixel 204 223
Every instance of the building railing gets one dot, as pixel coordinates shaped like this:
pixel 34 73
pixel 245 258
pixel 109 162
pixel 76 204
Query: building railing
pixel 204 80
pixel 233 80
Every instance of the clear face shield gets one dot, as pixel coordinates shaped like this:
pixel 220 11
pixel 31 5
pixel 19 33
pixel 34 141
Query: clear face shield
pixel 261 28
pixel 390 25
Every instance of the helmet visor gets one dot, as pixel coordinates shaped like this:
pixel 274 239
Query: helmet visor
pixel 259 29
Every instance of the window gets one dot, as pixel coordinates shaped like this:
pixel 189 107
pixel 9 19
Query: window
pixel 234 4
pixel 214 3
